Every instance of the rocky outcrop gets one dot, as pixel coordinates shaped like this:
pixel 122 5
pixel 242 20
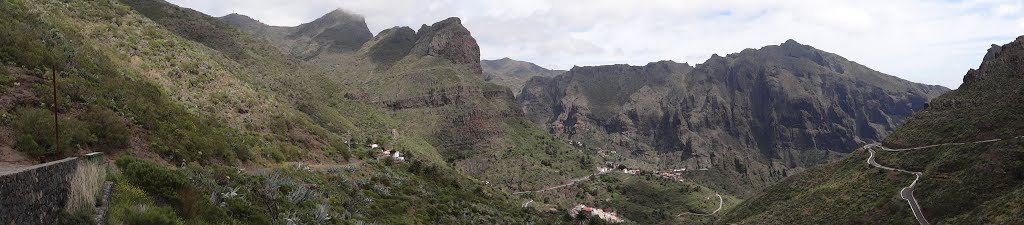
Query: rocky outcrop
pixel 754 116
pixel 448 39
pixel 995 60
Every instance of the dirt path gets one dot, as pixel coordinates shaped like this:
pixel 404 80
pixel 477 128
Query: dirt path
pixel 571 182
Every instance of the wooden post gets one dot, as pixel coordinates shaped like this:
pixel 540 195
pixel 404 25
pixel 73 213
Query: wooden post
pixel 56 122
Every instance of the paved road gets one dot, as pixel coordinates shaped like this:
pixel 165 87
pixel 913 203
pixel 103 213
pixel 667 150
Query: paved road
pixel 907 193
pixel 720 203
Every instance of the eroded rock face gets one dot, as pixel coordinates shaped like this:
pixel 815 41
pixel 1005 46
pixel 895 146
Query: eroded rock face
pixel 450 40
pixel 753 116
pixel 391 45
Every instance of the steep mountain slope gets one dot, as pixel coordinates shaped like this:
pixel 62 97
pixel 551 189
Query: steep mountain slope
pixel 971 183
pixel 751 117
pixel 335 32
pixel 420 92
pixel 137 79
pixel 429 81
pixel 512 73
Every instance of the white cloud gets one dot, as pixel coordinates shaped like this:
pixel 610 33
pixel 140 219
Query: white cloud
pixel 925 41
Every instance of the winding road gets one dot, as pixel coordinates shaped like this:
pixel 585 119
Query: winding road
pixel 720 203
pixel 907 193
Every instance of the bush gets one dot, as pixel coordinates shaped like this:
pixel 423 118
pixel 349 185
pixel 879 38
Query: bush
pixel 156 180
pixel 111 132
pixel 144 215
pixel 342 149
pixel 247 212
pixel 33 129
pixel 79 218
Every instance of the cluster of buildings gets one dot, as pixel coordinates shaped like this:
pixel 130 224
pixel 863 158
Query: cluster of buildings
pixel 610 217
pixel 674 174
pixel 394 154
pixel 625 170
pixel 670 174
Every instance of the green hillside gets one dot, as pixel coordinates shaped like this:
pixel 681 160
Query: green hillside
pixel 211 124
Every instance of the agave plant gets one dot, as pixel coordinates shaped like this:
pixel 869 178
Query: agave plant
pixel 321 213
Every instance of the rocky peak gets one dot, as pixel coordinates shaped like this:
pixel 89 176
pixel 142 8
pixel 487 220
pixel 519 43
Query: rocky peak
pixel 450 40
pixel 338 31
pixel 1004 60
pixel 791 43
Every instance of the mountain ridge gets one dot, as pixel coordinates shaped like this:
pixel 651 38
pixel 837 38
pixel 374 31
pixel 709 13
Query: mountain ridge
pixel 513 73
pixel 969 181
pixel 755 116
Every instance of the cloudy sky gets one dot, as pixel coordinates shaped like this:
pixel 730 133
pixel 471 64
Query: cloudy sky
pixel 927 41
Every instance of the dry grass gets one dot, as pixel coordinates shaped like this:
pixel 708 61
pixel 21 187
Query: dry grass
pixel 86 186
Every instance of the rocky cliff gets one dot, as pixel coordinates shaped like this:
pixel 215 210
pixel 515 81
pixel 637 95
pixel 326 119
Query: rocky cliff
pixel 751 117
pixel 450 40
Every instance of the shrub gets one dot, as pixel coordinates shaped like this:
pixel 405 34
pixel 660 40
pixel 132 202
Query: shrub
pixel 156 180
pixel 149 215
pixel 33 128
pixel 78 218
pixel 111 132
pixel 342 149
pixel 246 212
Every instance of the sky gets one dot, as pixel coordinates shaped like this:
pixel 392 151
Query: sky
pixel 925 41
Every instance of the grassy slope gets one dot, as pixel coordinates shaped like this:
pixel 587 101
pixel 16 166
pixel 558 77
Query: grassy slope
pixel 183 95
pixel 183 98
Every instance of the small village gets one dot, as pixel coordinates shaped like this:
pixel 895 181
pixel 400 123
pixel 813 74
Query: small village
pixel 384 153
pixel 610 217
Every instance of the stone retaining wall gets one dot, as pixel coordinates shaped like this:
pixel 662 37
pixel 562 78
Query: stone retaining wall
pixel 36 194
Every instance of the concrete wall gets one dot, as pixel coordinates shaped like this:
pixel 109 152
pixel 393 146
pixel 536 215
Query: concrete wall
pixel 36 194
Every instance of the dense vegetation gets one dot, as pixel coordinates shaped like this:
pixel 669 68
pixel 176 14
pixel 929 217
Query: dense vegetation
pixel 367 191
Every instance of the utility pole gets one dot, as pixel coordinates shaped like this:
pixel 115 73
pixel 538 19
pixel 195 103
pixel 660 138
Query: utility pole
pixel 56 122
